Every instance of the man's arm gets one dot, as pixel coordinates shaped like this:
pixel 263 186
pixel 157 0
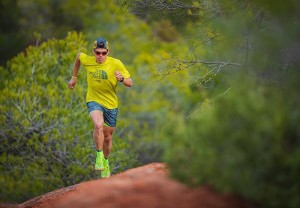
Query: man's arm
pixel 126 81
pixel 73 80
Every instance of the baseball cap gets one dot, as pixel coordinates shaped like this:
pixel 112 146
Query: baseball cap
pixel 101 43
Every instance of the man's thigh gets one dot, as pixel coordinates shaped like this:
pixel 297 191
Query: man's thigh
pixel 97 117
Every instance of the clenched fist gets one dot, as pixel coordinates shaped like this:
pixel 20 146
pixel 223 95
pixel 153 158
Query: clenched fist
pixel 119 76
pixel 72 82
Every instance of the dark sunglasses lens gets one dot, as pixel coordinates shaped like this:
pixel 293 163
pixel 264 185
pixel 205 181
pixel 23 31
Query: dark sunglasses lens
pixel 103 53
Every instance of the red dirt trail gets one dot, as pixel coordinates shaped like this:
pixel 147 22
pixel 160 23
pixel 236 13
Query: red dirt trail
pixel 147 186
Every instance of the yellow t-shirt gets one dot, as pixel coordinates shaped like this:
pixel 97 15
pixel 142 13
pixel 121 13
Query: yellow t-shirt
pixel 101 79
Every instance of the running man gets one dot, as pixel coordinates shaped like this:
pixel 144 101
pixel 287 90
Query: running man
pixel 103 75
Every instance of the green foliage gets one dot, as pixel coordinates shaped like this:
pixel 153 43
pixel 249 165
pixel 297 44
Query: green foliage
pixel 9 25
pixel 247 144
pixel 21 19
pixel 246 139
pixel 152 11
pixel 165 31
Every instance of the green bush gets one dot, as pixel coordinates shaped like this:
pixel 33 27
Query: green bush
pixel 247 143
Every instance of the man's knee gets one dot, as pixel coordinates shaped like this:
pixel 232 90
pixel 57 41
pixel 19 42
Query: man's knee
pixel 98 126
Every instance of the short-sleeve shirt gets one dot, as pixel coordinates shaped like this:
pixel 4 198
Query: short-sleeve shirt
pixel 101 79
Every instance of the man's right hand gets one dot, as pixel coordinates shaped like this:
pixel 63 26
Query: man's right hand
pixel 72 83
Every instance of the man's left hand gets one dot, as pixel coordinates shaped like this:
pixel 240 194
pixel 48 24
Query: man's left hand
pixel 119 76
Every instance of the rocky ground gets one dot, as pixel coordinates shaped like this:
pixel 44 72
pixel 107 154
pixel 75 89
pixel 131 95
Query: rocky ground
pixel 144 187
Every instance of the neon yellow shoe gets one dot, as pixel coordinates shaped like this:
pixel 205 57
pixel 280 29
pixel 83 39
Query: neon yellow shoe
pixel 106 172
pixel 99 165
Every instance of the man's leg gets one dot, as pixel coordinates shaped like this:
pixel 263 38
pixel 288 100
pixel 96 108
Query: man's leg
pixel 97 118
pixel 108 132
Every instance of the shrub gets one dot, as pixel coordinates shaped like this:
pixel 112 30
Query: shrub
pixel 247 144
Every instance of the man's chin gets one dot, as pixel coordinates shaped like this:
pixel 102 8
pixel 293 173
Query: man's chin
pixel 100 61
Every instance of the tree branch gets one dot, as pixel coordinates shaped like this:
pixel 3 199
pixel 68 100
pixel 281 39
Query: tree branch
pixel 183 65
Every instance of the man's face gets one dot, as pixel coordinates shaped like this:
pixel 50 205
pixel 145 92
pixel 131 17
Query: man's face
pixel 100 54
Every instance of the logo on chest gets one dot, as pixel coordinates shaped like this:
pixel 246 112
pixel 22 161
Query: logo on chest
pixel 99 74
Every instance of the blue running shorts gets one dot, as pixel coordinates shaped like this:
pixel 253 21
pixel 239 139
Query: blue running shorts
pixel 109 115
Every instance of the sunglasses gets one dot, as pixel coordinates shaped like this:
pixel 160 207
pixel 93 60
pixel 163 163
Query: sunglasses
pixel 100 53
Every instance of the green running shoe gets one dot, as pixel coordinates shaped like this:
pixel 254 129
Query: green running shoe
pixel 106 172
pixel 99 165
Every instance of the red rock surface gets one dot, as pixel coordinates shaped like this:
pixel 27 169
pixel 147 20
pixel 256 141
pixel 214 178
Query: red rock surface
pixel 144 187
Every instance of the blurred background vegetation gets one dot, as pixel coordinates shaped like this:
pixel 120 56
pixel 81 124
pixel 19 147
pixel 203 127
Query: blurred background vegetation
pixel 215 96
